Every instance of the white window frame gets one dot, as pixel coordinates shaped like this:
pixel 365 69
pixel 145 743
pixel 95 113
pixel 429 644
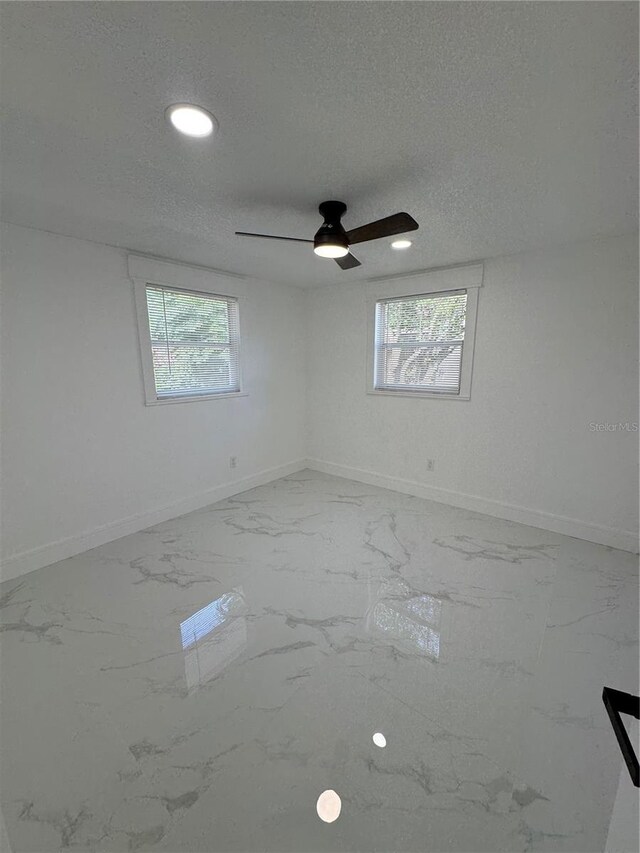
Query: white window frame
pixel 427 283
pixel 151 272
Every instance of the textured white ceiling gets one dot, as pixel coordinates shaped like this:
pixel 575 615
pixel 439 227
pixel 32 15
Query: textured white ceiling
pixel 498 126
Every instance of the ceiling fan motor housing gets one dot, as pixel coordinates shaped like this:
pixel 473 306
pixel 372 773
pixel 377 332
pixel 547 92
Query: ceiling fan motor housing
pixel 331 232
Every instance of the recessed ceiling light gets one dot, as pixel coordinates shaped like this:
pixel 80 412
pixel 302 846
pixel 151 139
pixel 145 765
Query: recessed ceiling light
pixel 191 120
pixel 329 806
pixel 379 739
pixel 401 244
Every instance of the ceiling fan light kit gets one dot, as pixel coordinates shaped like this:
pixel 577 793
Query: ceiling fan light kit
pixel 332 241
pixel 327 247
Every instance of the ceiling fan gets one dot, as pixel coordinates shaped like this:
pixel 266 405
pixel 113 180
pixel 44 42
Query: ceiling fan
pixel 332 241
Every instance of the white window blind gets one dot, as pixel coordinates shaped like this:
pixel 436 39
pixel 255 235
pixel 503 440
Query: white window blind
pixel 419 342
pixel 195 342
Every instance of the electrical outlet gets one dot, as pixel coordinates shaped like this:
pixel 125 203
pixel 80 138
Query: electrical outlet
pixel 430 464
pixel 233 462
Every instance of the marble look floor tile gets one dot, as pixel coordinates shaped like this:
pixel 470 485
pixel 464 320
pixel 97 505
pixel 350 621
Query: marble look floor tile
pixel 197 685
pixel 414 788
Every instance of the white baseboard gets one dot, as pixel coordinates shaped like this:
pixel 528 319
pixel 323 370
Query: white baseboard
pixel 27 561
pixel 36 558
pixel 625 540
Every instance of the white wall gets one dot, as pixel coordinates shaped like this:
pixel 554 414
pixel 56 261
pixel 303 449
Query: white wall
pixel 83 459
pixel 556 349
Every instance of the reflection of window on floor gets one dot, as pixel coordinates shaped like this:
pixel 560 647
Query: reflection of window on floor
pixel 426 607
pixel 214 637
pixel 204 621
pixel 414 620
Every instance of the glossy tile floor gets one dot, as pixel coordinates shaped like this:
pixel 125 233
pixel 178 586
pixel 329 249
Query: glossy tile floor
pixel 198 685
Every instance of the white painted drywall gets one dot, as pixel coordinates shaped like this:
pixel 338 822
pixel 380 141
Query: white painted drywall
pixel 83 459
pixel 556 350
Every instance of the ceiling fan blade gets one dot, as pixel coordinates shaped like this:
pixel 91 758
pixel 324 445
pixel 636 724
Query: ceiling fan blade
pixel 398 223
pixel 273 237
pixel 348 262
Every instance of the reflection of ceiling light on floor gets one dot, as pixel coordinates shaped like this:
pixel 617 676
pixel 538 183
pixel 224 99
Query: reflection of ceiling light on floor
pixel 328 806
pixel 379 739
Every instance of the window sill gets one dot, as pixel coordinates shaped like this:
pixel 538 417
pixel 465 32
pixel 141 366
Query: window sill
pixel 195 399
pixel 432 395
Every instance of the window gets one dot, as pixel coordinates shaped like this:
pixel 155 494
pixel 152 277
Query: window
pixel 419 341
pixel 421 333
pixel 195 343
pixel 189 332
